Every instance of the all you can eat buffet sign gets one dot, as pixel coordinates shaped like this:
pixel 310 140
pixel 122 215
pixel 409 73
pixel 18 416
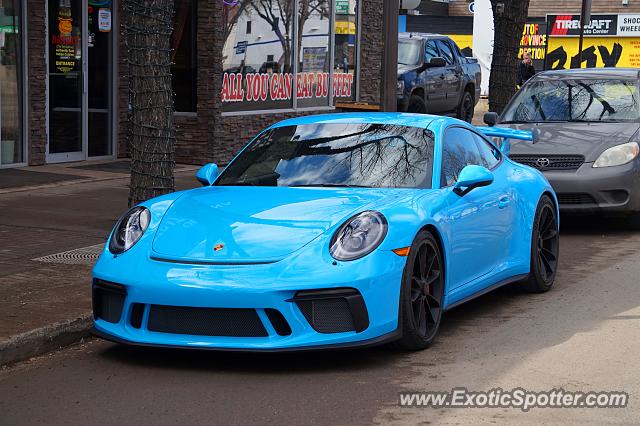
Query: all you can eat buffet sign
pixel 262 87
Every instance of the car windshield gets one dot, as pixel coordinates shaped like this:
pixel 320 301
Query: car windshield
pixel 336 154
pixel 607 100
pixel 409 52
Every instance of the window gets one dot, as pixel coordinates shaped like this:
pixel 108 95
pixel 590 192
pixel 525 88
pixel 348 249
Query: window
pixel 459 151
pixel 287 57
pixel 344 154
pixel 489 154
pixel 446 52
pixel 10 83
pixel 184 68
pixel 257 67
pixel 430 51
pixel 312 79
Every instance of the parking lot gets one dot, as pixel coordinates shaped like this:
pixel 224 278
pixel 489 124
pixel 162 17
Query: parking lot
pixel 583 335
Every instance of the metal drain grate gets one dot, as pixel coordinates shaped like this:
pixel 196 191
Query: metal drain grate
pixel 81 256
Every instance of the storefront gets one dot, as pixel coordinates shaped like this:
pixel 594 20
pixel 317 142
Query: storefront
pixel 12 78
pixel 238 65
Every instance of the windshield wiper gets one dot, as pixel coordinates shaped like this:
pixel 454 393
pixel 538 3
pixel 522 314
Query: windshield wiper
pixel 330 185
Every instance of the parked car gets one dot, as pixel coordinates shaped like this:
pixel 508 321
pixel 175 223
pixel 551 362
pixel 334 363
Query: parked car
pixel 435 77
pixel 589 123
pixel 329 231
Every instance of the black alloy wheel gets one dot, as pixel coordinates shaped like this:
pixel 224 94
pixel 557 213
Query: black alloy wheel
pixel 545 247
pixel 422 293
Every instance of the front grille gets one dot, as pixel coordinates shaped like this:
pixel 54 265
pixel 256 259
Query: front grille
pixel 328 315
pixel 108 300
pixel 550 162
pixel 569 198
pixel 206 321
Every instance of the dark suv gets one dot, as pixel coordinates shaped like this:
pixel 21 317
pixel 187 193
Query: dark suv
pixel 435 77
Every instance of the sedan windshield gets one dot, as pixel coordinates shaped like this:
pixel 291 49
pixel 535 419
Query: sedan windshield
pixel 336 154
pixel 609 100
pixel 409 52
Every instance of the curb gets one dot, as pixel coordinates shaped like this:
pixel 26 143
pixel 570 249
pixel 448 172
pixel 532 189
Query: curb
pixel 45 339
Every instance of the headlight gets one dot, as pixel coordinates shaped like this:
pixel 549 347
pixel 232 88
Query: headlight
pixel 129 229
pixel 400 87
pixel 618 155
pixel 358 236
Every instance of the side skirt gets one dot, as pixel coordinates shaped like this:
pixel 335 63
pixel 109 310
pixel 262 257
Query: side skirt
pixel 499 284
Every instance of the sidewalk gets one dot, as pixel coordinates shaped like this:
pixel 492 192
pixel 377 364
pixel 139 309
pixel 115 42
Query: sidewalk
pixel 53 221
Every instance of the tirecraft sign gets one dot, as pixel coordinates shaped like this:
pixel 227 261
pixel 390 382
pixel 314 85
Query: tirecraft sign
pixel 569 25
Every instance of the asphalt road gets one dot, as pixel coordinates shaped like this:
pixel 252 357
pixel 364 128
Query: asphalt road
pixel 583 335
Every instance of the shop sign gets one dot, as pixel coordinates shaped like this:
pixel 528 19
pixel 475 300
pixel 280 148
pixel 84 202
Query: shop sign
pixel 256 87
pixel 629 25
pixel 569 25
pixel 104 20
pixel 313 58
pixel 534 40
pixel 342 7
pixel 65 43
pixel 596 52
pixel 344 27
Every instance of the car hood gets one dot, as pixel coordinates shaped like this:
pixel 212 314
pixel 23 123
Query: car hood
pixel 588 139
pixel 248 224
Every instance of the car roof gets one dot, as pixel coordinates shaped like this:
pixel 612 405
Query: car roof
pixel 421 35
pixel 398 118
pixel 589 73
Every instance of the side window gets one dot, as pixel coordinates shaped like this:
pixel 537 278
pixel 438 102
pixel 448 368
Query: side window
pixel 446 52
pixel 489 154
pixel 460 150
pixel 430 50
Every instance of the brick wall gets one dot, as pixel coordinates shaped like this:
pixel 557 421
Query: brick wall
pixel 539 8
pixel 37 72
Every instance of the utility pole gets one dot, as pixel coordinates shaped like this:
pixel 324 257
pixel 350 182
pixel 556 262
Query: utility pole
pixel 585 17
pixel 391 10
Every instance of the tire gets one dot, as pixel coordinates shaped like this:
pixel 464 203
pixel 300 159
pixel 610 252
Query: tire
pixel 545 248
pixel 466 108
pixel 417 105
pixel 422 288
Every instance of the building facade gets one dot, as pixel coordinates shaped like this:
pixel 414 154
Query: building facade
pixel 237 67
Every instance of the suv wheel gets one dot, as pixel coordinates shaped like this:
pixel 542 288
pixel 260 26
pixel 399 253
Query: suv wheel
pixel 417 105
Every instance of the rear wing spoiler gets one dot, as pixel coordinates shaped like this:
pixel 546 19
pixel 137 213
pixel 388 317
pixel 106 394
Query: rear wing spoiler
pixel 532 135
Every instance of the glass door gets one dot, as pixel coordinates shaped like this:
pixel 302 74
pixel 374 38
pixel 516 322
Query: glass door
pixel 80 80
pixel 11 141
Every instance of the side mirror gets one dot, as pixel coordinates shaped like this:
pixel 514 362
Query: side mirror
pixel 433 63
pixel 490 118
pixel 207 174
pixel 472 177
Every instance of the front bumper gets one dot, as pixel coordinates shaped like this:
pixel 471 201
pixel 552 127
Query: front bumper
pixel 611 190
pixel 149 286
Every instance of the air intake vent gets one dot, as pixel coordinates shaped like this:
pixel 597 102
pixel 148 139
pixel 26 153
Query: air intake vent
pixel 206 321
pixel 108 300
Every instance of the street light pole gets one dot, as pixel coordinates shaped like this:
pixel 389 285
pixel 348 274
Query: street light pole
pixel 585 15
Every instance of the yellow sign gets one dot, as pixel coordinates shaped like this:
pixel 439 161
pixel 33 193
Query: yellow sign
pixel 345 27
pixel 562 52
pixel 463 41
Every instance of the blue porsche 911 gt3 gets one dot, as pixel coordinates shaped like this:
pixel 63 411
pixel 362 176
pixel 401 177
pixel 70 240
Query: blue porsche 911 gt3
pixel 334 230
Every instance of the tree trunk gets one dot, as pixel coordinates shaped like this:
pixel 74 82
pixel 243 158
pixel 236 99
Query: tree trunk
pixel 148 27
pixel 504 65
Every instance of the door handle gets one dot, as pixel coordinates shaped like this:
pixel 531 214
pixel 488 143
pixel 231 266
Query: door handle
pixel 504 202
